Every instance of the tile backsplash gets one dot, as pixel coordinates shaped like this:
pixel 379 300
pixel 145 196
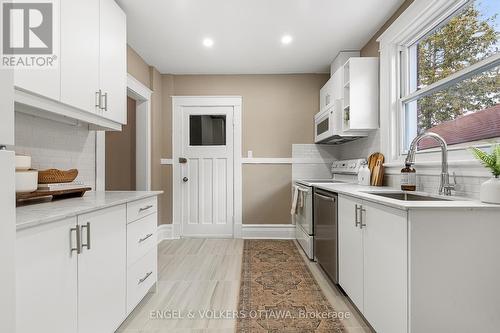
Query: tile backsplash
pixel 466 186
pixel 56 145
pixel 312 161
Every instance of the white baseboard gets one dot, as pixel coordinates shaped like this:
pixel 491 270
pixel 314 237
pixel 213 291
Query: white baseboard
pixel 165 231
pixel 245 231
pixel 268 231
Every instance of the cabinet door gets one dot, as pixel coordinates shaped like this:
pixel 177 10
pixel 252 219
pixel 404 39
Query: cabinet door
pixel 350 250
pixel 102 270
pixel 385 264
pixel 80 53
pixel 113 61
pixel 46 278
pixel 7 107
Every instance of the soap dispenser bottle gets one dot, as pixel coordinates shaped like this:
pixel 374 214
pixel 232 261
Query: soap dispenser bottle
pixel 364 174
pixel 408 178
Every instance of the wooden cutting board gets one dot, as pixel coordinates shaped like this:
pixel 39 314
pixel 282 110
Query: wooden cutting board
pixel 376 166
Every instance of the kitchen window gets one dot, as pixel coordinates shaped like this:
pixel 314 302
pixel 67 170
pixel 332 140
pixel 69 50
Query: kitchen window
pixel 450 82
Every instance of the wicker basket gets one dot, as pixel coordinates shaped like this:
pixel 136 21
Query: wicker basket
pixel 56 176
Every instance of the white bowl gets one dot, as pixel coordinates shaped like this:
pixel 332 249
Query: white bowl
pixel 23 162
pixel 26 181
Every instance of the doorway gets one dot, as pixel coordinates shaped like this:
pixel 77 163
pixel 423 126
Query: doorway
pixel 121 154
pixel 207 166
pixel 108 165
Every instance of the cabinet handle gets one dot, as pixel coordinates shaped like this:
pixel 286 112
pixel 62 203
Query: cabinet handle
pixel 361 224
pixel 144 278
pixel 145 237
pixel 105 108
pixel 98 99
pixel 78 247
pixel 145 208
pixel 356 221
pixel 87 226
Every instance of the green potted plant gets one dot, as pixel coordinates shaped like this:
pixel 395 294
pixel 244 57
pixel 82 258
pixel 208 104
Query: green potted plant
pixel 490 190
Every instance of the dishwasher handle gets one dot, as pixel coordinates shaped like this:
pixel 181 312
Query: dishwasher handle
pixel 324 197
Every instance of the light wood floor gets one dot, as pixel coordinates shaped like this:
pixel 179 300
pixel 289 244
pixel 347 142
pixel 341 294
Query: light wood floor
pixel 195 275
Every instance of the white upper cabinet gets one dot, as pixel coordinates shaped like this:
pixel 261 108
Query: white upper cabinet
pixel 90 83
pixel 80 53
pixel 7 107
pixel 326 95
pixel 360 84
pixel 113 61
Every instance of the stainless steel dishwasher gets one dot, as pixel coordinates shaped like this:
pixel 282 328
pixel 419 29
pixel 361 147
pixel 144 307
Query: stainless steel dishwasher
pixel 326 232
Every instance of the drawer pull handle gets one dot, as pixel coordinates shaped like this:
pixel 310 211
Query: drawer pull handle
pixel 145 208
pixel 145 237
pixel 145 277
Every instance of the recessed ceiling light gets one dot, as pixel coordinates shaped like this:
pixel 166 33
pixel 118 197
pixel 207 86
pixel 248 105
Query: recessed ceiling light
pixel 286 39
pixel 208 42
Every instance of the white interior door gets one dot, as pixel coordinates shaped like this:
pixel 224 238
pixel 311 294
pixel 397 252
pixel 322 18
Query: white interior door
pixel 207 176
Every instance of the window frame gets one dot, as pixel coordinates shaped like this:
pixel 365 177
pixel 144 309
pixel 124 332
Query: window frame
pixel 420 19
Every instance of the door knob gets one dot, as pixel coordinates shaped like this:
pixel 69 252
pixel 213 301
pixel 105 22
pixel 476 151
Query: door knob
pixel 185 179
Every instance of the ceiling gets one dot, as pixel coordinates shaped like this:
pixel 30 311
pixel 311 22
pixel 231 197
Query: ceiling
pixel 247 34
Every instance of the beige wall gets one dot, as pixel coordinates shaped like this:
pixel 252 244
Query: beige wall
pixel 160 175
pixel 120 154
pixel 371 48
pixel 278 111
pixel 266 194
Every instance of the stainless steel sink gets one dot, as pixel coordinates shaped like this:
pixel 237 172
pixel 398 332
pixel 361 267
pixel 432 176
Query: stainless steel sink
pixel 404 196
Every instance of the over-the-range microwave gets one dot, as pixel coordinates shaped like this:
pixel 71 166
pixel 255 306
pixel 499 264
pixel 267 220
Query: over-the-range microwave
pixel 328 126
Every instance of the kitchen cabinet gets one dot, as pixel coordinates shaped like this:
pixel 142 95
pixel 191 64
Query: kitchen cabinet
pixel 350 250
pixel 360 94
pixel 326 95
pixel 87 273
pixel 80 54
pixel 46 278
pixel 90 81
pixel 113 61
pixel 385 267
pixel 102 270
pixel 373 261
pixel 7 107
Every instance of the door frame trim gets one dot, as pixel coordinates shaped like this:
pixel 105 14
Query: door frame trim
pixel 234 101
pixel 142 95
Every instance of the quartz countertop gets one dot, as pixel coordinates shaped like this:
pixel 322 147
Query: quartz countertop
pixel 363 192
pixel 37 214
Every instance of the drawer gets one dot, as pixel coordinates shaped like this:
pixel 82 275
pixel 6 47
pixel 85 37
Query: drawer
pixel 140 278
pixel 141 208
pixel 141 237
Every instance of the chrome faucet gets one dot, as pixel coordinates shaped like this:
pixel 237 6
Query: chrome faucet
pixel 444 187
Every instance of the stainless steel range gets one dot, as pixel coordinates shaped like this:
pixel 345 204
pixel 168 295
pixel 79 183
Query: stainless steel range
pixel 343 172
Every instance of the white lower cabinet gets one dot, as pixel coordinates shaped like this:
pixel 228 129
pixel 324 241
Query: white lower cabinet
pixel 85 274
pixel 350 251
pixel 373 262
pixel 102 270
pixel 46 278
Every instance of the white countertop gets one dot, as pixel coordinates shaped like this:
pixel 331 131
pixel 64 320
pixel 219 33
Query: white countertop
pixel 36 214
pixel 360 192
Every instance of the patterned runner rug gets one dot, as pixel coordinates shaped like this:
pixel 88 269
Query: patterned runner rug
pixel 279 294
